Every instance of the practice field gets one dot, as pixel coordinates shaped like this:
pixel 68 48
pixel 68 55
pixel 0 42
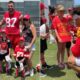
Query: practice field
pixel 52 74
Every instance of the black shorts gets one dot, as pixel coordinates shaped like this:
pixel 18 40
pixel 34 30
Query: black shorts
pixel 43 45
pixel 2 56
pixel 68 45
pixel 24 63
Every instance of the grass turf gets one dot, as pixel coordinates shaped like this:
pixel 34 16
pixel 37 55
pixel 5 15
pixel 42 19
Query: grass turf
pixel 55 73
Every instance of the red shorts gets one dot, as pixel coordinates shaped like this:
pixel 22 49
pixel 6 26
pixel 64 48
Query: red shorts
pixel 14 39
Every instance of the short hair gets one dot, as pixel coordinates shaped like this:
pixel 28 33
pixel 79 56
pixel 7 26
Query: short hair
pixel 11 2
pixel 51 9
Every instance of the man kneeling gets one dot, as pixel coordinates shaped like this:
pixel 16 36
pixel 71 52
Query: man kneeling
pixel 74 59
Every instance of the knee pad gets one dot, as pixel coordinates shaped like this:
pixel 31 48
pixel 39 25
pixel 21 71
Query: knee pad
pixel 8 59
pixel 21 66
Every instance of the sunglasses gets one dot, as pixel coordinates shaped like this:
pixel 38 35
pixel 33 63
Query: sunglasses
pixel 25 19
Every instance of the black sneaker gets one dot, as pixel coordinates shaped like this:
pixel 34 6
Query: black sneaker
pixel 78 75
pixel 45 66
pixel 42 73
pixel 8 72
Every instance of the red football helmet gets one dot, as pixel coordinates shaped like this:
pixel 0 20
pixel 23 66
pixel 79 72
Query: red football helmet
pixel 21 39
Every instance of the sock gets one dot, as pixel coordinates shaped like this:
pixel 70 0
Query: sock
pixel 16 71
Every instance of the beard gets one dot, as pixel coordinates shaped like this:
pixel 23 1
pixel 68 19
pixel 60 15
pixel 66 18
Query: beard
pixel 11 10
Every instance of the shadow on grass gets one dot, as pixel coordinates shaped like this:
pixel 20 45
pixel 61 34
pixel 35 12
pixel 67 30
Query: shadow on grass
pixel 55 72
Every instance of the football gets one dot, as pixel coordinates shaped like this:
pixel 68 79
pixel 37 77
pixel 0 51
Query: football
pixel 38 67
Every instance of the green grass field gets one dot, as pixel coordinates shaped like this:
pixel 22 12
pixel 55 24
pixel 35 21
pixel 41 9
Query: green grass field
pixel 55 73
pixel 52 74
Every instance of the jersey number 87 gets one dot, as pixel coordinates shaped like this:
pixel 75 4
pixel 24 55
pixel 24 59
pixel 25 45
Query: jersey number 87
pixel 10 22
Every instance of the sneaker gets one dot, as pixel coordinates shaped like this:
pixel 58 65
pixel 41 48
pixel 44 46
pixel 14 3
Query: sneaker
pixel 61 66
pixel 45 66
pixel 27 73
pixel 78 75
pixel 42 73
pixel 8 72
pixel 31 72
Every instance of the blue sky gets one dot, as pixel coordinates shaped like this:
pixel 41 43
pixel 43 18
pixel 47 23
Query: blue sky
pixel 76 2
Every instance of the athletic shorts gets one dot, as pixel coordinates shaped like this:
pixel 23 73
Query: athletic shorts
pixel 77 60
pixel 43 45
pixel 14 39
pixel 2 56
pixel 68 45
pixel 18 64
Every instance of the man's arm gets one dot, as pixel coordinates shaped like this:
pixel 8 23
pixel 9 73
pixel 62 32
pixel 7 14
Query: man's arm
pixel 2 22
pixel 21 23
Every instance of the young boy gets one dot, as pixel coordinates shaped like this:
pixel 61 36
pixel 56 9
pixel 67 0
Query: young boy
pixel 4 51
pixel 21 57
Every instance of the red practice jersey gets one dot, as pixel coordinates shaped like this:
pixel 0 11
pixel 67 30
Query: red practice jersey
pixel 12 22
pixel 61 27
pixel 4 48
pixel 19 52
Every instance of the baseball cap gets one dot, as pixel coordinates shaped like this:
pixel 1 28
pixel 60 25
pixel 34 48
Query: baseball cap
pixel 27 17
pixel 42 6
pixel 21 39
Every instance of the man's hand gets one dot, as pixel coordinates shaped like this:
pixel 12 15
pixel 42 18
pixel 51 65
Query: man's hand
pixel 2 22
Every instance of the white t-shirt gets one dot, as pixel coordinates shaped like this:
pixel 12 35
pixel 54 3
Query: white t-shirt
pixel 43 29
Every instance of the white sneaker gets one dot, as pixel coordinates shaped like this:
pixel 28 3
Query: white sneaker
pixel 27 73
pixel 31 72
pixel 42 75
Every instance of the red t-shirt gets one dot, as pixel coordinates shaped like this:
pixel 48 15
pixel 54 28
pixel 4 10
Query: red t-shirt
pixel 19 52
pixel 4 48
pixel 12 22
pixel 62 28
